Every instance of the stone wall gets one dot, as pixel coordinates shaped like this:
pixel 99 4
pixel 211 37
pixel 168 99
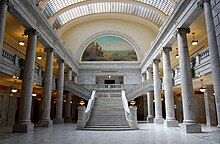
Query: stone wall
pixel 216 16
pixel 7 108
pixel 88 76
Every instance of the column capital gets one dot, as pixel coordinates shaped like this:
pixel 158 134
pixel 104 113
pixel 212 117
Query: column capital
pixel 60 61
pixel 156 61
pixel 167 49
pixel 200 3
pixel 31 31
pixel 68 68
pixel 183 30
pixel 49 49
pixel 149 68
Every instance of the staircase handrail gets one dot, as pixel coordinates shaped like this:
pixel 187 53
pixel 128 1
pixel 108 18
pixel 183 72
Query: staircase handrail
pixel 90 106
pixel 77 89
pixel 125 105
pixel 143 86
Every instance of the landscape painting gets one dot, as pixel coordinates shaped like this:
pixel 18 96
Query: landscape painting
pixel 109 48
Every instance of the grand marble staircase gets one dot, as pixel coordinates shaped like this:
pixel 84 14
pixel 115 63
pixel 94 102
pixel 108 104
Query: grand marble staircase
pixel 107 114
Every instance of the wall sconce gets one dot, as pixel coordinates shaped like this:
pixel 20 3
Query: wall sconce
pixel 39 57
pixel 177 55
pixel 109 76
pixel 22 42
pixel 82 103
pixel 194 42
pixel 202 89
pixel 132 102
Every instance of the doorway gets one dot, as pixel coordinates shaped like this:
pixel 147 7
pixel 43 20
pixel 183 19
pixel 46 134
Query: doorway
pixel 109 81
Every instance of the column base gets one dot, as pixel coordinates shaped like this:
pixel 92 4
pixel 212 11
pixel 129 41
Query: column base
pixel 45 123
pixel 58 121
pixel 190 128
pixel 150 120
pixel 158 120
pixel 23 128
pixel 171 123
pixel 68 120
pixel 216 136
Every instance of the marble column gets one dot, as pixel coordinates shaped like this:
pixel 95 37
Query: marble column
pixel 150 94
pixel 189 122
pixel 59 104
pixel 3 12
pixel 68 118
pixel 157 96
pixel 75 77
pixel 168 89
pixel 145 106
pixel 210 109
pixel 215 63
pixel 24 121
pixel 45 120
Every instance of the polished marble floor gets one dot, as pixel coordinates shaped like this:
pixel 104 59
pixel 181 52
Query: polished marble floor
pixel 66 134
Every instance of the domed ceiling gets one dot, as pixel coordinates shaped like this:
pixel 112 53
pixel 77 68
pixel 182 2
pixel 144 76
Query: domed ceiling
pixel 71 15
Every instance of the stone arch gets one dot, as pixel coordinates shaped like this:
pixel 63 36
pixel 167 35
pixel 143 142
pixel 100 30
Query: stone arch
pixel 106 33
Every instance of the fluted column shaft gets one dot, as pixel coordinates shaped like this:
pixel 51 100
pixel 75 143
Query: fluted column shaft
pixel 3 12
pixel 59 104
pixel 46 103
pixel 149 98
pixel 214 54
pixel 157 88
pixel 68 97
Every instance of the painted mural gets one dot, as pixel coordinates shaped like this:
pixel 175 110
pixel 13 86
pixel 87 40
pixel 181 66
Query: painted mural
pixel 109 48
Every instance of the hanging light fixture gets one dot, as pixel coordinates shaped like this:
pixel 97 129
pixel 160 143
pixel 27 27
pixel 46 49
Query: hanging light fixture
pixel 22 42
pixel 82 103
pixel 194 42
pixel 39 57
pixel 132 102
pixel 14 89
pixel 34 94
pixel 177 55
pixel 202 89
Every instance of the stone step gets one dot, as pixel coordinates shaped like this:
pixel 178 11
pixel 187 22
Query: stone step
pixel 107 113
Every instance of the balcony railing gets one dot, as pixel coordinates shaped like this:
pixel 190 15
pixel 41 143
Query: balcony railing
pixel 10 63
pixel 108 95
pixel 200 65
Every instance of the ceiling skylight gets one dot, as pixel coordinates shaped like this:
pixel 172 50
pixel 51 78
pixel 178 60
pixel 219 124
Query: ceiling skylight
pixel 108 7
pixel 53 6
